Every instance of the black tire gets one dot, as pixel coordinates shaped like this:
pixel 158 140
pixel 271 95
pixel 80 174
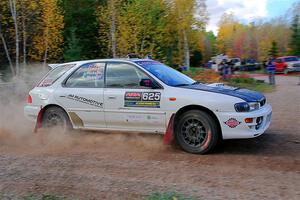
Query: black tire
pixel 56 117
pixel 196 132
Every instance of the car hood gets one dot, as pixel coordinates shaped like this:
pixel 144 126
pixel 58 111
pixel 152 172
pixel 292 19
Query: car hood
pixel 246 95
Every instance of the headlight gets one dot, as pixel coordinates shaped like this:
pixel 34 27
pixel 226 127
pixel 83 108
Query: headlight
pixel 242 107
pixel 254 106
pixel 246 107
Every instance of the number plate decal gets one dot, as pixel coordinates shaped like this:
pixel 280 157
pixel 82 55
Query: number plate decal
pixel 142 99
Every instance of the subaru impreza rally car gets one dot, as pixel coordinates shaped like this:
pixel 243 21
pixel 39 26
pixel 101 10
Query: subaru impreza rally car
pixel 143 95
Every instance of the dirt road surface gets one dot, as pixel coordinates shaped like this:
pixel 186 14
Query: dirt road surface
pixel 93 165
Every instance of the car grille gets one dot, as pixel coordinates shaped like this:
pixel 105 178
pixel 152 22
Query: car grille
pixel 259 122
pixel 262 102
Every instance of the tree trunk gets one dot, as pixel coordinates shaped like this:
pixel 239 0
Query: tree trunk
pixel 142 45
pixel 113 29
pixel 186 50
pixel 24 35
pixel 13 10
pixel 46 47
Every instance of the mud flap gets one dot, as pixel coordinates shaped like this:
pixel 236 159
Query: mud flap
pixel 168 137
pixel 39 120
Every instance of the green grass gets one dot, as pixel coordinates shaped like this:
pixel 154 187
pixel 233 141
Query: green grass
pixel 260 71
pixel 241 81
pixel 43 197
pixel 251 84
pixel 194 71
pixel 169 196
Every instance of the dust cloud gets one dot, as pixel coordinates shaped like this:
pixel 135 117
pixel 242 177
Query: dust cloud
pixel 16 132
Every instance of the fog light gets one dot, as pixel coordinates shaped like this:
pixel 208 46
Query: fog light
pixel 249 120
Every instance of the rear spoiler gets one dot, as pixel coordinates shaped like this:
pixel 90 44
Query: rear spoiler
pixel 53 66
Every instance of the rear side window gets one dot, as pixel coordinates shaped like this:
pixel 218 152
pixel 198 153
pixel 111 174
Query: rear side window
pixel 89 75
pixel 55 74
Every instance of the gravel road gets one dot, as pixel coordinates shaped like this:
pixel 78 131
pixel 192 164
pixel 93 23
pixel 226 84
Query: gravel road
pixel 90 165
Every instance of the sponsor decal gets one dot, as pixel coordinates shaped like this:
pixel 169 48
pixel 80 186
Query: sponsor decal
pixel 85 100
pixel 142 99
pixel 232 123
pixel 94 71
pixel 133 96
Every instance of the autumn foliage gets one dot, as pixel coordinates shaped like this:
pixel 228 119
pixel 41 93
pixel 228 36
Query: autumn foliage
pixel 173 32
pixel 205 76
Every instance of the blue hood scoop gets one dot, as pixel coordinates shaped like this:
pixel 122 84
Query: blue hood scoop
pixel 247 95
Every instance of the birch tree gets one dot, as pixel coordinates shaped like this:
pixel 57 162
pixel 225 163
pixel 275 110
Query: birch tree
pixel 48 43
pixel 14 14
pixel 112 7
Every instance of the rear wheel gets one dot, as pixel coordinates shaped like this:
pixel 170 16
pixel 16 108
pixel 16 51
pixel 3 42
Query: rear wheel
pixel 196 132
pixel 285 71
pixel 55 117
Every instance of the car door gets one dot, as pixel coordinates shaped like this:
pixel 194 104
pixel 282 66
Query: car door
pixel 131 104
pixel 81 95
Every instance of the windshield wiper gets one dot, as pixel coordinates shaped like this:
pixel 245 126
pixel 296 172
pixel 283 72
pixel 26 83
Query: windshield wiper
pixel 187 84
pixel 196 83
pixel 183 84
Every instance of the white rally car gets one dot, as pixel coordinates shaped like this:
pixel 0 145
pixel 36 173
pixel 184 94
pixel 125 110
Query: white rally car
pixel 144 95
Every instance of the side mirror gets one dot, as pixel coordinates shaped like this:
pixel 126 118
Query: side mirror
pixel 148 83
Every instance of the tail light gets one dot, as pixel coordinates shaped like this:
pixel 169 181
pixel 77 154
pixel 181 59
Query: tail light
pixel 29 99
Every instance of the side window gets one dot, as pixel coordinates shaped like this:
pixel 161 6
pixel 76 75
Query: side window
pixel 123 75
pixel 89 75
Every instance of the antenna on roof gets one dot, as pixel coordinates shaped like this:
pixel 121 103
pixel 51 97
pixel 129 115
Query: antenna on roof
pixel 132 55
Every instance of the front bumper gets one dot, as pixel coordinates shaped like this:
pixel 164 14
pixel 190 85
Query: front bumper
pixel 261 122
pixel 293 69
pixel 31 112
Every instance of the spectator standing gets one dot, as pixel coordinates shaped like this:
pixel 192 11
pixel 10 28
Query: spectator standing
pixel 225 69
pixel 271 68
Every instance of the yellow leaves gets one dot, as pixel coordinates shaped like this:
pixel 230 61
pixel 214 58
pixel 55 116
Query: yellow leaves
pixel 251 40
pixel 49 40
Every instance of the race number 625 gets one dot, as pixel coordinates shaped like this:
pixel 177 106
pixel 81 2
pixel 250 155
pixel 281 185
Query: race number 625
pixel 151 96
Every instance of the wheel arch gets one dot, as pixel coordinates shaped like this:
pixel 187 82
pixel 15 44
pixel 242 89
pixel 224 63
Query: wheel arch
pixel 202 108
pixel 53 105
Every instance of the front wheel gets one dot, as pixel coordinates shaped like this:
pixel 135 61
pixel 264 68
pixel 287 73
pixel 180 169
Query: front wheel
pixel 196 132
pixel 55 117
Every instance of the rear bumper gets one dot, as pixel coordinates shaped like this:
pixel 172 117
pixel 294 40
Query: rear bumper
pixel 31 112
pixel 261 122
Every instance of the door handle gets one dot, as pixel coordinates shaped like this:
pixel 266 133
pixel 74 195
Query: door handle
pixel 112 97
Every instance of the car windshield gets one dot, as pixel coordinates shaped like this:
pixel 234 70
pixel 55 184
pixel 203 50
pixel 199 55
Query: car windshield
pixel 166 74
pixel 291 59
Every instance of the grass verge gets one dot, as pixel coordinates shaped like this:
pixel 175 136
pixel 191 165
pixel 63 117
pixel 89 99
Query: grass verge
pixel 240 80
pixel 169 196
pixel 251 84
pixel 43 197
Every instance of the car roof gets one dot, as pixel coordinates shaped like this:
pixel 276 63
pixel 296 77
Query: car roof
pixel 285 57
pixel 132 60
